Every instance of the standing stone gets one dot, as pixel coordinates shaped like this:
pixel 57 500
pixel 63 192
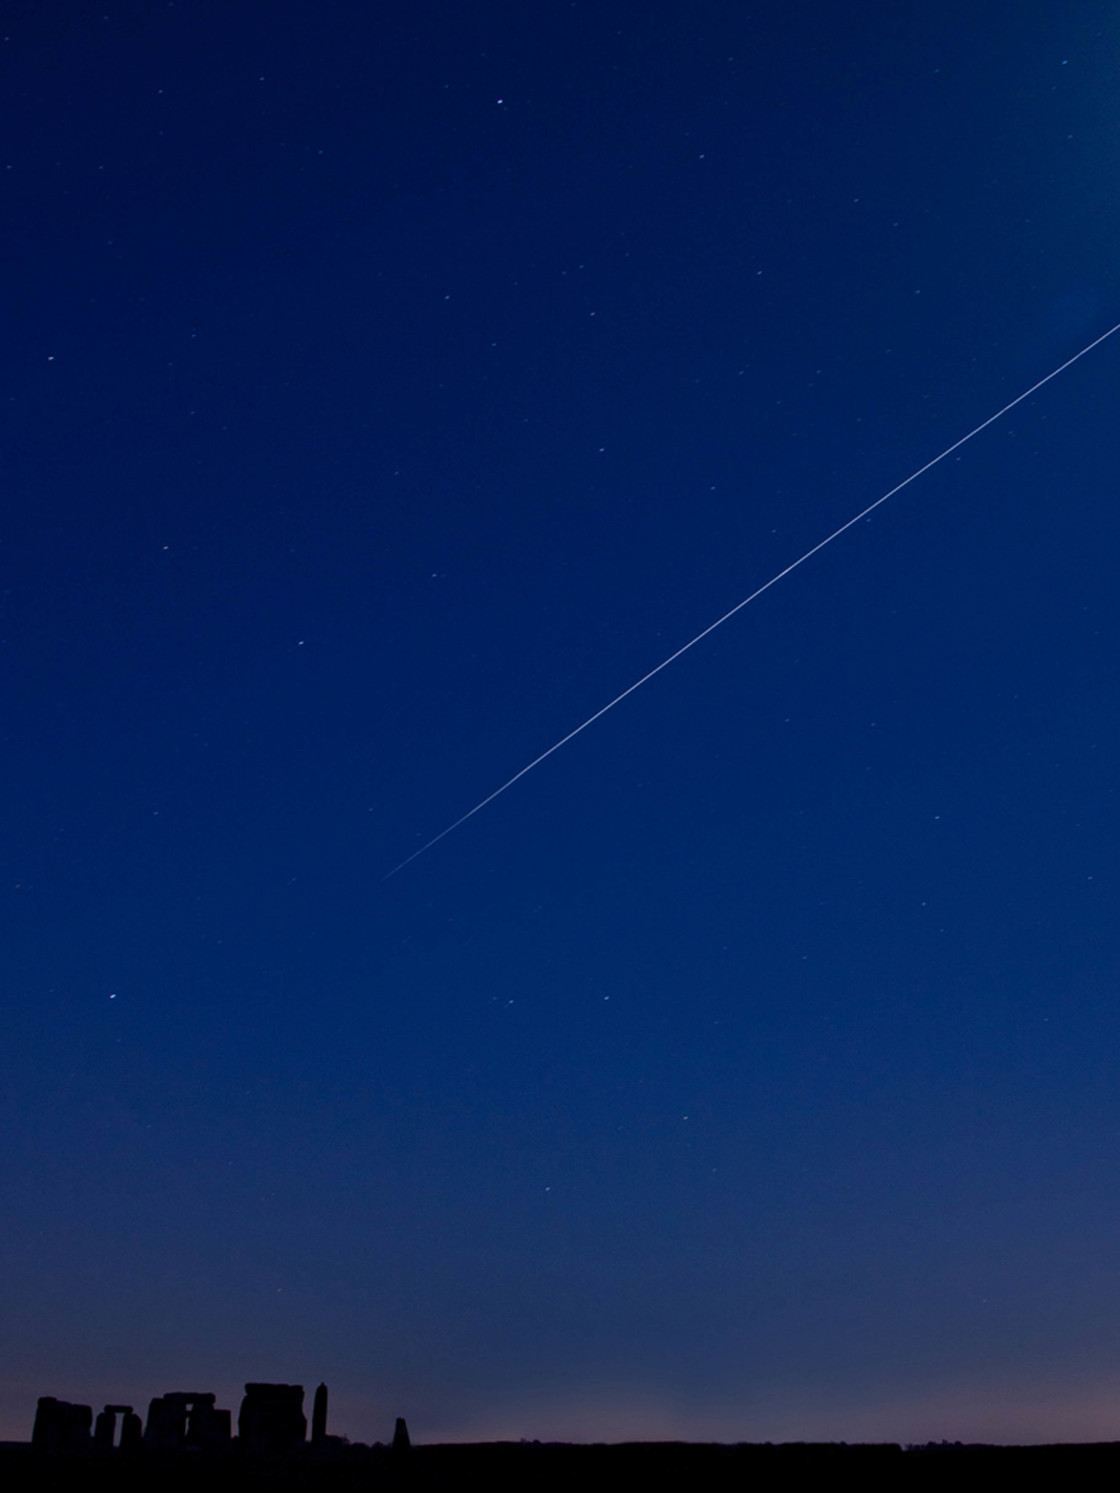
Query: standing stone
pixel 47 1430
pixel 401 1443
pixel 207 1426
pixel 132 1430
pixel 186 1418
pixel 319 1417
pixel 167 1422
pixel 271 1418
pixel 60 1426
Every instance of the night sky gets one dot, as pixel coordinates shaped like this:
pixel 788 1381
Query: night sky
pixel 385 388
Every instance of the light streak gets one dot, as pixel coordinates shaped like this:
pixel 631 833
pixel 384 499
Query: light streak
pixel 773 581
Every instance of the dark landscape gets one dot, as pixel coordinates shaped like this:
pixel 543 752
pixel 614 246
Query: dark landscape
pixel 188 1443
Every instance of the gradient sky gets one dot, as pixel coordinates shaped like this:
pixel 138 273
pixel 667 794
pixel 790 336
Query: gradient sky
pixel 385 388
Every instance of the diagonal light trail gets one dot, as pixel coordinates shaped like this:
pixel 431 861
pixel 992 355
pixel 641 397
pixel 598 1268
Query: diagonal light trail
pixel 773 581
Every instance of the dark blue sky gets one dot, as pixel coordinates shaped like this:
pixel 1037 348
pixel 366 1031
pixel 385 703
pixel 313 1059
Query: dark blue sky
pixel 385 389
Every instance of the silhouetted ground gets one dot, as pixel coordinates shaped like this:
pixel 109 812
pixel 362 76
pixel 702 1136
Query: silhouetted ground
pixel 543 1468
